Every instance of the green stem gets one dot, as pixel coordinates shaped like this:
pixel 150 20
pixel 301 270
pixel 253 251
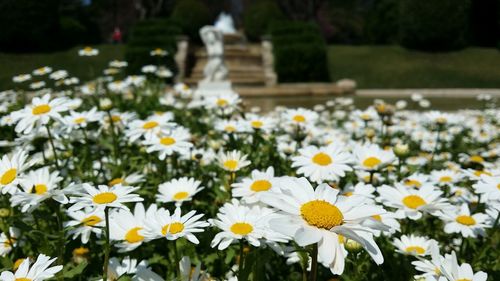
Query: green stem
pixel 177 261
pixel 51 140
pixel 240 263
pixel 113 136
pixel 314 263
pixel 106 247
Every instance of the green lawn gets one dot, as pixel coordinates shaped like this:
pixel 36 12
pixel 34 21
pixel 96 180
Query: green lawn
pixel 395 67
pixel 13 64
pixel 370 66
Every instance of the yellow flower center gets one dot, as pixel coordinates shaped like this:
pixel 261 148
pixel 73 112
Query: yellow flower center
pixel 413 201
pixel 476 159
pixel 40 109
pixel 17 263
pixel 445 179
pixel 498 186
pixel 222 102
pixel 80 251
pixel 464 279
pixel 299 118
pixel 79 120
pixel 231 165
pixel 22 279
pixel 181 195
pixel 91 221
pixel 348 193
pixel 175 228
pixel 371 162
pixel 256 124
pixel 377 217
pixel 466 220
pixel 229 129
pixel 415 249
pixel 167 141
pixel 9 176
pixel 321 214
pixel 115 181
pixel 150 125
pixel 366 117
pixel 87 49
pixel 133 235
pixel 415 183
pixel 341 239
pixel 241 228
pixel 105 198
pixel 116 118
pixel 322 159
pixel 40 189
pixel 260 185
pixel 479 173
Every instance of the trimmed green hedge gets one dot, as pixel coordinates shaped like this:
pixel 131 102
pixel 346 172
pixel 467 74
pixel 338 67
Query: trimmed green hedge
pixel 437 25
pixel 148 35
pixel 191 15
pixel 258 18
pixel 299 52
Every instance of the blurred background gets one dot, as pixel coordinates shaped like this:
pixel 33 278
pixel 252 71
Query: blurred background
pixel 376 43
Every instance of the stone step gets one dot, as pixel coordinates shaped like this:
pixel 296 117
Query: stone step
pixel 233 67
pixel 243 81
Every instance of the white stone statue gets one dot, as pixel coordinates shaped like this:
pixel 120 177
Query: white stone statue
pixel 215 69
pixel 225 23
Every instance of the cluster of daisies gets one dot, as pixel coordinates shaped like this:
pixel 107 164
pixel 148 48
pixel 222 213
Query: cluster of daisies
pixel 129 179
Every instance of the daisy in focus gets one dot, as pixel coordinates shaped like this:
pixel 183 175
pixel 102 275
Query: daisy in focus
pixel 414 245
pixel 85 222
pixel 320 216
pixel 11 169
pixel 371 157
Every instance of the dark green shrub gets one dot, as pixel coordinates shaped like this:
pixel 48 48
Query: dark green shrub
pixel 299 52
pixel 438 25
pixel 258 17
pixel 72 31
pixel 29 26
pixel 146 36
pixel 191 16
pixel 301 62
pixel 382 22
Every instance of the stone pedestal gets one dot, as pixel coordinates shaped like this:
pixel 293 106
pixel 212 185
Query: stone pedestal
pixel 213 88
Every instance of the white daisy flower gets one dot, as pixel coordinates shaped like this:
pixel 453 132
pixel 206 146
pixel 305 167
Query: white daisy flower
pixel 77 120
pixel 446 177
pixel 232 161
pixel 128 227
pixel 39 113
pixel 430 269
pixel 38 186
pixel 103 196
pixel 40 270
pixel 320 216
pixel 158 52
pixel 178 190
pixel 127 180
pixel 42 71
pixel 11 169
pixel 371 157
pixel 8 242
pixel 322 164
pixel 238 222
pixel 88 52
pixel 149 127
pixel 414 245
pixel 168 143
pixel 488 187
pixel 453 271
pixel 461 221
pixel 413 202
pixel 139 271
pixel 21 78
pixel 300 117
pixel 251 189
pixel 189 273
pixel 174 226
pixel 83 223
pixel 416 180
